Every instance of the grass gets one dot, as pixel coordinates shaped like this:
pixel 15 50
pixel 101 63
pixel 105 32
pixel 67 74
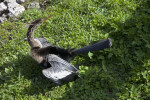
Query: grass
pixel 121 72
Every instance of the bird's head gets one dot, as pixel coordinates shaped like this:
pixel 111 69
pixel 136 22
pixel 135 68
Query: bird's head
pixel 37 22
pixel 34 24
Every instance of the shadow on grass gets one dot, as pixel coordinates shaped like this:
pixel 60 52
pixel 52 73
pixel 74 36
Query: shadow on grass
pixel 25 72
pixel 128 54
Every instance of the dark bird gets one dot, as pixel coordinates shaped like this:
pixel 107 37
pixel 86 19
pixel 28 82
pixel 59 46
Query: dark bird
pixel 55 60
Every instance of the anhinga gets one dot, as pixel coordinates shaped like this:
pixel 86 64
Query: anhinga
pixel 56 59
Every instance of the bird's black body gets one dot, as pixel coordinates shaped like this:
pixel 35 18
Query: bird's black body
pixel 55 59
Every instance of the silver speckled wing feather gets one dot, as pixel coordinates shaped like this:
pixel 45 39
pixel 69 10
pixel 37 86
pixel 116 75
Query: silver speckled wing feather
pixel 60 70
pixel 44 42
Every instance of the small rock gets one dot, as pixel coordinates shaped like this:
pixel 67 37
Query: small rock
pixel 34 5
pixel 2 7
pixel 20 1
pixel 15 9
pixel 3 18
pixel 10 1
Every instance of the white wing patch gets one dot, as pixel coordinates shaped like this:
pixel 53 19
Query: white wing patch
pixel 56 75
pixel 60 70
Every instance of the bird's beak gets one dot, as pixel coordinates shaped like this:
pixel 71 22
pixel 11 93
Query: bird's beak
pixel 46 18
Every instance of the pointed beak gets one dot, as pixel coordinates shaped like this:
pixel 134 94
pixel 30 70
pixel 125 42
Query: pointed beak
pixel 46 18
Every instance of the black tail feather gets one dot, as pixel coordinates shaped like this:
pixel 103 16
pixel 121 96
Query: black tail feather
pixel 103 44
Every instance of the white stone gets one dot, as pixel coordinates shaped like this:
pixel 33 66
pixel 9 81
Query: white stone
pixel 3 18
pixel 2 7
pixel 10 1
pixel 34 5
pixel 15 9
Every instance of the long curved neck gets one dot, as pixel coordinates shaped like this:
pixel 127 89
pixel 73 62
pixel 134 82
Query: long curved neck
pixel 30 34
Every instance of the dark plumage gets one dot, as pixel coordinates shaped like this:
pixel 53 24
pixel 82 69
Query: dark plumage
pixel 56 60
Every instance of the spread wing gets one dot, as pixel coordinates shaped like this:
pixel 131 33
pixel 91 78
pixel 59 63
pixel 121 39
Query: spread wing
pixel 44 42
pixel 60 70
pixel 63 53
